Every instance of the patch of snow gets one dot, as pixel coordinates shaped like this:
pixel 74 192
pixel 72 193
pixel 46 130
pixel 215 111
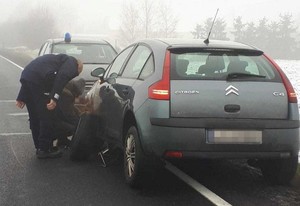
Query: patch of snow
pixel 292 70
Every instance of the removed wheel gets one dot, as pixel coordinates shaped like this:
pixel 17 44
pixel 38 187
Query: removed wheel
pixel 279 171
pixel 83 141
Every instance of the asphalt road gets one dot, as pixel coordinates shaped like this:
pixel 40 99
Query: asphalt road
pixel 26 180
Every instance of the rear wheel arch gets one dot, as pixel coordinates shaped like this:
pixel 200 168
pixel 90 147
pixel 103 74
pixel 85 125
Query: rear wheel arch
pixel 129 120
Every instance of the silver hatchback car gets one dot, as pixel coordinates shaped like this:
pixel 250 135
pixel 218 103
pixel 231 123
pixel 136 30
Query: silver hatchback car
pixel 182 99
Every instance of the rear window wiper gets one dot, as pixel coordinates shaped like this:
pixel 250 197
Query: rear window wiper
pixel 237 75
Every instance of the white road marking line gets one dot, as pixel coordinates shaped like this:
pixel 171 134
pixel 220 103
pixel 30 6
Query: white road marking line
pixel 19 114
pixel 15 134
pixel 12 62
pixel 7 101
pixel 212 197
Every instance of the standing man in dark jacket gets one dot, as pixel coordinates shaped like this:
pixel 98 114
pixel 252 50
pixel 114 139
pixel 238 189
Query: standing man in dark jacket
pixel 42 81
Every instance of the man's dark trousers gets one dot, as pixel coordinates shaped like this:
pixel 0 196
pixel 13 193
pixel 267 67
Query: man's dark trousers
pixel 41 119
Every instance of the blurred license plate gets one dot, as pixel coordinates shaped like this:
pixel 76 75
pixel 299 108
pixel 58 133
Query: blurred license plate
pixel 234 136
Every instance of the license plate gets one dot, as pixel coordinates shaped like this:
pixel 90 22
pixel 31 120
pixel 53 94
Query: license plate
pixel 234 136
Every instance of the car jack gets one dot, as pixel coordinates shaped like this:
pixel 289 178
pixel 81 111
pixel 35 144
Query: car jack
pixel 101 154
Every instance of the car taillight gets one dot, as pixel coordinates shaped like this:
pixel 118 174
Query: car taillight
pixel 292 96
pixel 160 90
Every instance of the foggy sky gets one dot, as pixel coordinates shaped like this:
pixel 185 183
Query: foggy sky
pixel 96 16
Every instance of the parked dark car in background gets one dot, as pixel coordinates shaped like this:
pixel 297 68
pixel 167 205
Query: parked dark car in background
pixel 178 99
pixel 93 52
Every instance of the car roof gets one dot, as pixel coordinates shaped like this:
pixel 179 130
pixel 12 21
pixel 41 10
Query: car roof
pixel 79 40
pixel 199 43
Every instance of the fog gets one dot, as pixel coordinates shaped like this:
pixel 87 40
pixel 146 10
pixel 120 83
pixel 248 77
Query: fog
pixel 94 13
pixel 107 19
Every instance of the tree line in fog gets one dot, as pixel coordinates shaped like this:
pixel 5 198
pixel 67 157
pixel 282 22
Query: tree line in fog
pixel 277 38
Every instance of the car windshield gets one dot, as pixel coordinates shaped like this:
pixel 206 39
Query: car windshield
pixel 222 65
pixel 88 53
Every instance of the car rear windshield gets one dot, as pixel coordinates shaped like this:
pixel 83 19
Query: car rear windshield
pixel 221 65
pixel 87 53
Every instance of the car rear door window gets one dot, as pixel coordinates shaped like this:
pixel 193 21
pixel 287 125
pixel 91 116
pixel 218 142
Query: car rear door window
pixel 136 62
pixel 117 64
pixel 148 68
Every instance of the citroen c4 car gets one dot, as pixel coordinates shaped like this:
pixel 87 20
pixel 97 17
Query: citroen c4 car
pixel 93 52
pixel 168 98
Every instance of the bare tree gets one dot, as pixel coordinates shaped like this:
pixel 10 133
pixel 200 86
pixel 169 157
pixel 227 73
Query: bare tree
pixel 31 30
pixel 168 21
pixel 146 20
pixel 147 16
pixel 130 28
pixel 38 26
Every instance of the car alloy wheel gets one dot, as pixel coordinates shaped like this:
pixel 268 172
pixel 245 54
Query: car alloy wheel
pixel 130 155
pixel 134 159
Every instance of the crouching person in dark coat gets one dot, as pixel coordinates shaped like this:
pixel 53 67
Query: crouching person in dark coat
pixel 67 113
pixel 43 80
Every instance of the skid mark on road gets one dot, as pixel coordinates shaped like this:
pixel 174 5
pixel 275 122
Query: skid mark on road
pixel 15 155
pixel 212 197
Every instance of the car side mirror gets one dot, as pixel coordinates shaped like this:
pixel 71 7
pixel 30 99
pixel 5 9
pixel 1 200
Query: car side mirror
pixel 98 72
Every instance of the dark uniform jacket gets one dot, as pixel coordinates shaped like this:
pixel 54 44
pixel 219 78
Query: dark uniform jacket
pixel 50 71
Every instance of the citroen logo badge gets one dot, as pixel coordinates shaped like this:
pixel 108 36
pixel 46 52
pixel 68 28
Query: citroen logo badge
pixel 231 90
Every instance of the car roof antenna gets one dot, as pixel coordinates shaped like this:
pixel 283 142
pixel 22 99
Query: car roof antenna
pixel 206 41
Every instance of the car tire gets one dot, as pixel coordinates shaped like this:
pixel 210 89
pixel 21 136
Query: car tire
pixel 82 144
pixel 279 171
pixel 135 168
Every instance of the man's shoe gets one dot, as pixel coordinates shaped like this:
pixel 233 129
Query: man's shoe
pixel 48 154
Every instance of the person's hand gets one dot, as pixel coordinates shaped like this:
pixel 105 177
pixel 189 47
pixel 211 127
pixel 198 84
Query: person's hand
pixel 20 104
pixel 51 105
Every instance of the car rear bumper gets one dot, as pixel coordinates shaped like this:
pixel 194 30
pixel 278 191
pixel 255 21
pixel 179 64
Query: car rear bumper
pixel 280 139
pixel 225 123
pixel 160 134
